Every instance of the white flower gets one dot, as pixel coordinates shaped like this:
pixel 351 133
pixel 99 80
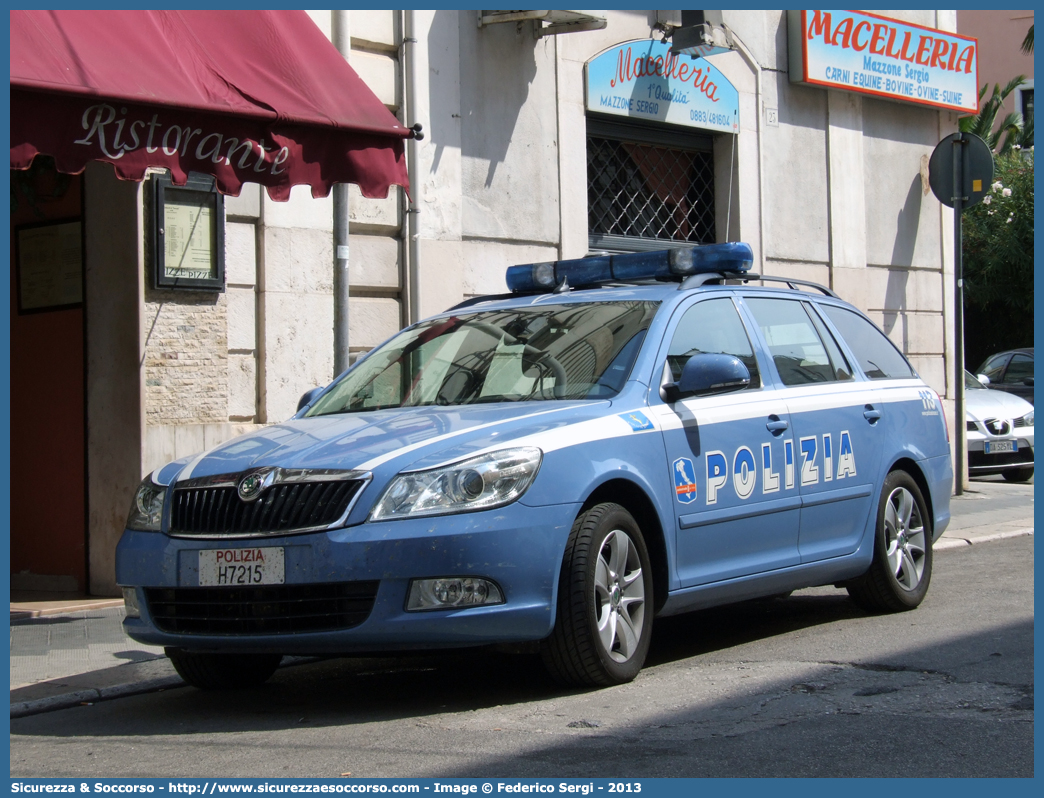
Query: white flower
pixel 1006 192
pixel 1017 147
pixel 1009 221
pixel 997 186
pixel 987 199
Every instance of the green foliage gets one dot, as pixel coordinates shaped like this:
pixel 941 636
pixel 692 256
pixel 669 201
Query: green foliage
pixel 1027 43
pixel 998 262
pixel 983 123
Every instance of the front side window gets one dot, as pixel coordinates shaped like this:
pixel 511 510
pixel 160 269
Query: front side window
pixel 1020 368
pixel 520 354
pixel 712 327
pixel 799 352
pixel 878 357
pixel 994 366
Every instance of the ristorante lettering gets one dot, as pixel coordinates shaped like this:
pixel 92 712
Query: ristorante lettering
pixel 116 135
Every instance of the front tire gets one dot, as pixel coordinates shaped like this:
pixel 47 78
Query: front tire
pixel 1018 474
pixel 604 622
pixel 209 671
pixel 901 570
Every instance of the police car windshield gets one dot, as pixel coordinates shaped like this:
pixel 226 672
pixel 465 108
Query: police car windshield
pixel 553 352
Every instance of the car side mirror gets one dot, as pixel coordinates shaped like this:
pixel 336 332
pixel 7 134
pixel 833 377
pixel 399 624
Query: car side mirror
pixel 704 375
pixel 1028 381
pixel 308 397
pixel 983 379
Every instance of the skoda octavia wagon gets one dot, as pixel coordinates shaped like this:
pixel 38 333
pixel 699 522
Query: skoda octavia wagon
pixel 617 439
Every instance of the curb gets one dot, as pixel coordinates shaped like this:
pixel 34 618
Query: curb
pixel 22 610
pixel 22 709
pixel 959 542
pixel 91 695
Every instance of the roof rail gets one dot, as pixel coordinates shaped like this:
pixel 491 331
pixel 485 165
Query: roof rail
pixel 697 280
pixel 792 282
pixel 690 282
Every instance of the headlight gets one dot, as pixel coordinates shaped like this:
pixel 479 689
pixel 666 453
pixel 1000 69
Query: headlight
pixel 146 510
pixel 479 483
pixel 1028 418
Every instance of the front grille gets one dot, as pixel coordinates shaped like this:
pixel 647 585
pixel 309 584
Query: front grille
pixel 284 507
pixel 261 610
pixel 981 460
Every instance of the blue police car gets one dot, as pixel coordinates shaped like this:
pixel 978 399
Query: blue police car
pixel 618 438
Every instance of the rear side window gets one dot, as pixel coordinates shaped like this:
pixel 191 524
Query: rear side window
pixel 878 357
pixel 800 354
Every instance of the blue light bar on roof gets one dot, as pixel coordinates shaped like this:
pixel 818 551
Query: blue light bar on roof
pixel 667 264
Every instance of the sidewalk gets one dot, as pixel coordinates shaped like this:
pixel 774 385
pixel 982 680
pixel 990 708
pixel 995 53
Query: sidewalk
pixel 71 650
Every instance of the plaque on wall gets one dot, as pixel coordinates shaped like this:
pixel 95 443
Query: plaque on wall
pixel 49 257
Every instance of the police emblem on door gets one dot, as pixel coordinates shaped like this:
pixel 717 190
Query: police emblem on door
pixel 684 480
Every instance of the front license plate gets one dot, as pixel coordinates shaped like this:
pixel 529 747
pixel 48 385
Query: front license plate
pixel 228 567
pixel 996 447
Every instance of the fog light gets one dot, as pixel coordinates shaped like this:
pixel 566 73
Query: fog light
pixel 450 592
pixel 130 602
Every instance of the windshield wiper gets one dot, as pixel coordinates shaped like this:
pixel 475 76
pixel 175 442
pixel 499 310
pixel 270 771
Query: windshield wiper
pixel 346 410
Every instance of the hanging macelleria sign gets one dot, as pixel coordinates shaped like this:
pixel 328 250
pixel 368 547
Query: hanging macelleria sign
pixel 884 57
pixel 643 80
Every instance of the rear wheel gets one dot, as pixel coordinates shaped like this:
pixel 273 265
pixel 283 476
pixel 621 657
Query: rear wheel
pixel 1018 474
pixel 604 622
pixel 901 570
pixel 209 671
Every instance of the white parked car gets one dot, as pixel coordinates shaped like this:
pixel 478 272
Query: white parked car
pixel 1000 432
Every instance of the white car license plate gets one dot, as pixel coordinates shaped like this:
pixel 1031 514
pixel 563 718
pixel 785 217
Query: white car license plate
pixel 996 447
pixel 228 567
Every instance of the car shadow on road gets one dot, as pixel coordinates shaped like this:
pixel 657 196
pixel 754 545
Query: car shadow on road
pixel 356 690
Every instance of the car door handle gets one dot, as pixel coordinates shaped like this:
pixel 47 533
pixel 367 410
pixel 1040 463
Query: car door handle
pixel 777 426
pixel 871 415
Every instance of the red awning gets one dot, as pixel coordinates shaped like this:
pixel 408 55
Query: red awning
pixel 245 96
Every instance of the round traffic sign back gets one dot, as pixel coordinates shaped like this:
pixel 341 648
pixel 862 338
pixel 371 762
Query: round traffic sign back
pixel 973 172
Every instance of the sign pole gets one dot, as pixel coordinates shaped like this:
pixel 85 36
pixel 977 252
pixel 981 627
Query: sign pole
pixel 958 312
pixel 960 171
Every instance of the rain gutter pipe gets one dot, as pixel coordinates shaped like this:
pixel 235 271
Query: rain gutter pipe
pixel 341 35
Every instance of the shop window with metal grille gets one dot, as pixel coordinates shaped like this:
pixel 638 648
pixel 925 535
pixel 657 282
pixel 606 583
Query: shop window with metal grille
pixel 648 187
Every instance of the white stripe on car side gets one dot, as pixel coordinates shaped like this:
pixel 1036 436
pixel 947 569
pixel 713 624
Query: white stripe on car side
pixel 665 417
pixel 804 399
pixel 595 429
pixel 380 460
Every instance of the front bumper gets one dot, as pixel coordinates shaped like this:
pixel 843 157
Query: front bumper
pixel 518 547
pixel 982 464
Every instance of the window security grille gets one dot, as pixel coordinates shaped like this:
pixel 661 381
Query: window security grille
pixel 648 191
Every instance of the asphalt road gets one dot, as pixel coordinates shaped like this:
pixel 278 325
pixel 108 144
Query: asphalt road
pixel 804 686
